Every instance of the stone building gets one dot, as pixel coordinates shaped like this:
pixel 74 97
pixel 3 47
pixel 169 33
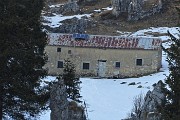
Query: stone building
pixel 104 56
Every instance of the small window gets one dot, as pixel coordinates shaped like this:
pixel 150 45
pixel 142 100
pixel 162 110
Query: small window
pixel 58 49
pixel 117 64
pixel 139 62
pixel 60 64
pixel 86 66
pixel 69 51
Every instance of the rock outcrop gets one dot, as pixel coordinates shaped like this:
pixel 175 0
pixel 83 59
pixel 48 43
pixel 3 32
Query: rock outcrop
pixel 148 108
pixel 61 108
pixel 134 8
pixel 58 102
pixel 152 101
pixel 71 6
pixel 74 25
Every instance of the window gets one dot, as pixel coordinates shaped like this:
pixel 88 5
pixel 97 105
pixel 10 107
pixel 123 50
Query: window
pixel 60 64
pixel 139 62
pixel 86 66
pixel 117 64
pixel 69 51
pixel 58 49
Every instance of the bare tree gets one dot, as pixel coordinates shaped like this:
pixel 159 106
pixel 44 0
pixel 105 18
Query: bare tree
pixel 136 111
pixel 138 103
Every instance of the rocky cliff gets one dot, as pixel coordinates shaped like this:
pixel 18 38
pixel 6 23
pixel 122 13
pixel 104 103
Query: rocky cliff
pixel 61 107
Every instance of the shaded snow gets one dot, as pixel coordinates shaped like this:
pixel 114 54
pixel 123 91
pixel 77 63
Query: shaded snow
pixel 160 30
pixel 56 5
pixel 107 8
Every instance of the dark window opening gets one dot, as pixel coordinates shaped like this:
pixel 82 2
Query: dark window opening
pixel 117 64
pixel 58 49
pixel 139 62
pixel 60 64
pixel 86 66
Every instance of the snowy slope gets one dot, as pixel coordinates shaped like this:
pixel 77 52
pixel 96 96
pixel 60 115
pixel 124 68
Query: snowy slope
pixel 108 99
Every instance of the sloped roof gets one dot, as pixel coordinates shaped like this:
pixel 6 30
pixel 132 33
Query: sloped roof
pixel 103 41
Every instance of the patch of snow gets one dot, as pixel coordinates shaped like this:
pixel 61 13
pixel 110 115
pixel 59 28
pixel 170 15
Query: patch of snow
pixel 56 5
pixel 97 10
pixel 160 30
pixel 54 21
pixel 107 8
pixel 149 32
pixel 123 34
pixel 45 115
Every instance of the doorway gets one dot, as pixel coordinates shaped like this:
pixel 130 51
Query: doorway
pixel 101 68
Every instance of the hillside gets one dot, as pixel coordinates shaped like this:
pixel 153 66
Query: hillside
pixel 167 17
pixel 108 24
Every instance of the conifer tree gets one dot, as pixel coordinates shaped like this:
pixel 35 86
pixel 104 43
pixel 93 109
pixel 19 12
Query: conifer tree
pixel 71 82
pixel 22 56
pixel 171 110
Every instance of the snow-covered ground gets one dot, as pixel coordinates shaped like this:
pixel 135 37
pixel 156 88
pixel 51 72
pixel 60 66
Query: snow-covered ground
pixel 108 99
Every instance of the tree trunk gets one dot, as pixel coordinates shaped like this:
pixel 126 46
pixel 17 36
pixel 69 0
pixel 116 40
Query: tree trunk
pixel 1 102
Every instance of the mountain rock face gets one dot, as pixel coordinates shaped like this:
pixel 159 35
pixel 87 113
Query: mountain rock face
pixel 134 8
pixel 65 8
pixel 74 25
pixel 152 101
pixel 61 108
pixel 71 6
pixel 58 102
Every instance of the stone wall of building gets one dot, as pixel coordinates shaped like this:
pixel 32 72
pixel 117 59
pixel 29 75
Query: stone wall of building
pixel 95 50
pixel 127 58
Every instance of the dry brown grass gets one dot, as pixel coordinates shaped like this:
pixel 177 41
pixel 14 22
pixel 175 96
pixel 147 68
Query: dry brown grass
pixel 149 4
pixel 89 8
pixel 109 25
pixel 167 18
